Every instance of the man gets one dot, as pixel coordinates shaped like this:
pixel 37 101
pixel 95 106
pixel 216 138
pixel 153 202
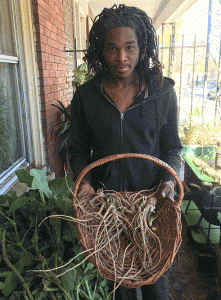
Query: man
pixel 128 107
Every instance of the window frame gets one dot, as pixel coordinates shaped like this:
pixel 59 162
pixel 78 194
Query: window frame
pixel 26 78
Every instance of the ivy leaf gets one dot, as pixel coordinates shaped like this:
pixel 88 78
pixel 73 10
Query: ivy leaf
pixel 24 177
pixel 40 182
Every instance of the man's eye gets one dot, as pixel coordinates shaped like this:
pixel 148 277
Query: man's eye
pixel 130 47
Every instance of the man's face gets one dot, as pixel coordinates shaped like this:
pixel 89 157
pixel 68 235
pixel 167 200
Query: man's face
pixel 121 51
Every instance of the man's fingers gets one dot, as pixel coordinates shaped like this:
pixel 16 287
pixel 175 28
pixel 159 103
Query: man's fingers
pixel 168 190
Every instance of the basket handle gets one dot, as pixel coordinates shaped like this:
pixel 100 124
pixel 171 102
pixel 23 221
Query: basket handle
pixel 129 155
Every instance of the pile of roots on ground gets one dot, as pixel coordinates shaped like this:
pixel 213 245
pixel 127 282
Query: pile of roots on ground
pixel 132 238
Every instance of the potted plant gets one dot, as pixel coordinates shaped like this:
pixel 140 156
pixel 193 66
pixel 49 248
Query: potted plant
pixel 199 137
pixel 81 75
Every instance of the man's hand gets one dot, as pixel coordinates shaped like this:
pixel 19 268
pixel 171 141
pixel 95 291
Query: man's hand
pixel 167 189
pixel 85 189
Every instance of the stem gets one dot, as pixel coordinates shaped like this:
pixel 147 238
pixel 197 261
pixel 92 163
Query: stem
pixel 42 197
pixel 13 223
pixel 17 235
pixel 14 270
pixel 52 276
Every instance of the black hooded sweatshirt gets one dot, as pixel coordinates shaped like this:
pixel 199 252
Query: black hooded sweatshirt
pixel 148 126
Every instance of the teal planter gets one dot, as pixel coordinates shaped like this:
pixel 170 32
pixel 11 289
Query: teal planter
pixel 189 150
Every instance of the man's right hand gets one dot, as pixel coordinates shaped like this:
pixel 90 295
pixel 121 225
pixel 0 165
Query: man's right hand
pixel 85 189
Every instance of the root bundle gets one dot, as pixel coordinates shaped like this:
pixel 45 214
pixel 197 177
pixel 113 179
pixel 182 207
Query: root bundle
pixel 120 229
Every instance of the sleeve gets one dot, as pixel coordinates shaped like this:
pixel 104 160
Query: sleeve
pixel 170 144
pixel 79 144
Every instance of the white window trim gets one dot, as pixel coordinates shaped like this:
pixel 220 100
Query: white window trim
pixel 9 59
pixel 29 90
pixel 37 153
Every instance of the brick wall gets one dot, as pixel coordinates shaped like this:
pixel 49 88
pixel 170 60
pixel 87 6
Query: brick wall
pixel 49 25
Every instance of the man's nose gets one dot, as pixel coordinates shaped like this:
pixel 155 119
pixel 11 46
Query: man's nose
pixel 122 55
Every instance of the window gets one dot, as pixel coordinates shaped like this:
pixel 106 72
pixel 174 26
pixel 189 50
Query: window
pixel 12 137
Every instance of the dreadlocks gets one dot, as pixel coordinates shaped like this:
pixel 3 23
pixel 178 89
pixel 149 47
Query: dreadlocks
pixel 125 16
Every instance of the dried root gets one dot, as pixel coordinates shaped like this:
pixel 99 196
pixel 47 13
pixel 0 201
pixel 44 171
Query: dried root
pixel 118 233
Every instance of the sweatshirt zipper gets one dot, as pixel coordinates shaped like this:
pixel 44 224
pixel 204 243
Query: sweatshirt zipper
pixel 121 118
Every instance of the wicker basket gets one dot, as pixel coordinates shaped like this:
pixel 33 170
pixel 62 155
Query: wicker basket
pixel 168 229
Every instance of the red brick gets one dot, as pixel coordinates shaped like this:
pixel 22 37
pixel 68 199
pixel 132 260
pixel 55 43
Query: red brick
pixel 42 20
pixel 62 60
pixel 48 65
pixel 43 39
pixel 54 66
pixel 57 9
pixel 54 51
pixel 51 58
pixel 46 15
pixel 48 8
pixel 47 90
pixel 54 88
pixel 52 20
pixel 54 28
pixel 56 59
pixel 52 96
pixel 50 2
pixel 41 3
pixel 40 28
pixel 45 56
pixel 54 36
pixel 61 73
pixel 48 49
pixel 49 25
pixel 53 43
pixel 47 32
pixel 43 64
pixel 45 73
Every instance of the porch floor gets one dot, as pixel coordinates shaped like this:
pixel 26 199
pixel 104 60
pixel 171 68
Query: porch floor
pixel 193 276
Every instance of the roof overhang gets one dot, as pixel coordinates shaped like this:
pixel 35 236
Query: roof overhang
pixel 161 11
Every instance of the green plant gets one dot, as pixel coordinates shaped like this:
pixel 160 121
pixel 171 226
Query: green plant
pixel 64 125
pixel 81 75
pixel 195 131
pixel 63 131
pixel 27 244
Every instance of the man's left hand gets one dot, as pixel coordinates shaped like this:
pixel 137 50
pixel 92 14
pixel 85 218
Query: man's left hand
pixel 167 189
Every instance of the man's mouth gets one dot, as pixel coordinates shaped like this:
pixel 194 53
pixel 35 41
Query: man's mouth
pixel 122 68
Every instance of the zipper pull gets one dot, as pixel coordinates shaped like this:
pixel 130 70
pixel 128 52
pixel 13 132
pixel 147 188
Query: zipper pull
pixel 122 116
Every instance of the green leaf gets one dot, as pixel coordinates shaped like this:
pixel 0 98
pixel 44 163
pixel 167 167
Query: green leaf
pixel 70 279
pixel 5 200
pixel 89 267
pixel 4 274
pixel 61 190
pixel 2 285
pixel 18 203
pixel 10 284
pixel 69 233
pixel 24 177
pixel 40 182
